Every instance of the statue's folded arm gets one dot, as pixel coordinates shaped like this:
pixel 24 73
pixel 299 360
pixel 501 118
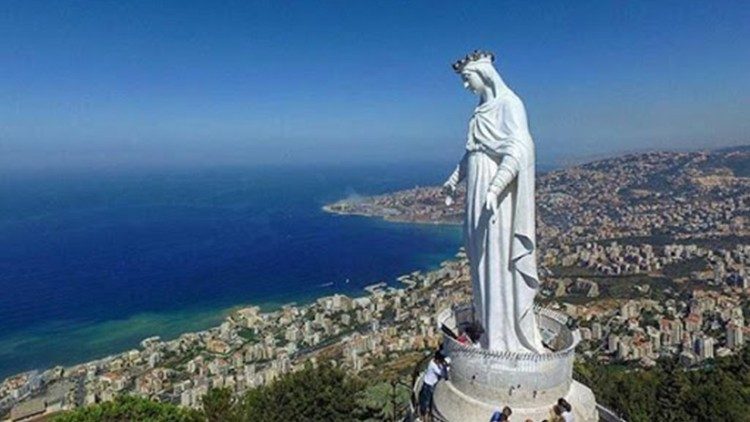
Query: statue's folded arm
pixel 507 170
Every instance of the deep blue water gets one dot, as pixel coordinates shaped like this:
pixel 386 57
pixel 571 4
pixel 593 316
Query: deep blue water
pixel 92 262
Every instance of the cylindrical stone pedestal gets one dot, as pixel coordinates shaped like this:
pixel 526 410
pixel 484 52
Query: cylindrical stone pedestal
pixel 482 381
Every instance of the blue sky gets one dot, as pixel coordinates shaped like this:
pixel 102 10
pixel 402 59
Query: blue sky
pixel 181 82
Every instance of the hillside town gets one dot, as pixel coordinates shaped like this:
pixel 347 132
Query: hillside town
pixel 649 254
pixel 252 348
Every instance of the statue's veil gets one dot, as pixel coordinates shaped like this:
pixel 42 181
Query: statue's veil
pixel 489 75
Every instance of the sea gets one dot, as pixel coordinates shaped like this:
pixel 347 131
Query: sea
pixel 94 261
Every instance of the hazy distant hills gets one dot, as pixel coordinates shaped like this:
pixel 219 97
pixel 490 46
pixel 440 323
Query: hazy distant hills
pixel 696 194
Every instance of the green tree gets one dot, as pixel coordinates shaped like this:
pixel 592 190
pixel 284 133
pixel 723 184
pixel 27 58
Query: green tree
pixel 220 405
pixel 385 401
pixel 672 394
pixel 719 391
pixel 129 408
pixel 322 393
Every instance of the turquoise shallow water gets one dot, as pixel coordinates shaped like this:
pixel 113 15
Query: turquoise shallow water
pixel 93 262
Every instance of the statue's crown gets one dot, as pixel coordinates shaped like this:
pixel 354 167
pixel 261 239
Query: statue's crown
pixel 475 56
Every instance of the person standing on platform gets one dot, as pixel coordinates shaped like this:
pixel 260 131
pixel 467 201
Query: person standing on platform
pixel 436 370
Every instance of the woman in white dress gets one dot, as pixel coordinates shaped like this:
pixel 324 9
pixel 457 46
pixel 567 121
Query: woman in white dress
pixel 499 228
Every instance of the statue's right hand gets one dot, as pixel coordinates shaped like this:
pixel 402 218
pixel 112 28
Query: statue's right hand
pixel 448 188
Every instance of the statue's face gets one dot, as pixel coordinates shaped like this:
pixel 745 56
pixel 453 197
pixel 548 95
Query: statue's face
pixel 472 81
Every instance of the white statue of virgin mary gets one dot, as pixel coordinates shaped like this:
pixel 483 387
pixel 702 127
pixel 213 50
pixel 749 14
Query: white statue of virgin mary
pixel 499 228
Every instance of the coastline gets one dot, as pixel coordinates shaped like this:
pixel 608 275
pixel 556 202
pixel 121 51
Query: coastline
pixel 194 321
pixel 252 348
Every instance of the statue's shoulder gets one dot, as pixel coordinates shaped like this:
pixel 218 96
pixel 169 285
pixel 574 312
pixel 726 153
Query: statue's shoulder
pixel 512 100
pixel 512 107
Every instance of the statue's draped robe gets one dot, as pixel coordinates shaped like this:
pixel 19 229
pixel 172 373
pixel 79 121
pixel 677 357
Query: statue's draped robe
pixel 502 247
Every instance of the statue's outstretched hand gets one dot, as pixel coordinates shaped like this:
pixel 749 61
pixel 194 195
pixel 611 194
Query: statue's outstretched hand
pixel 448 190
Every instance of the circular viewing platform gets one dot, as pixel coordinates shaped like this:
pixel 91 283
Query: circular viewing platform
pixel 526 379
pixel 482 381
